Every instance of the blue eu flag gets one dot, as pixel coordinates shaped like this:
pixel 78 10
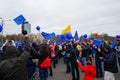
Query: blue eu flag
pixel 76 36
pixel 48 35
pixel 19 20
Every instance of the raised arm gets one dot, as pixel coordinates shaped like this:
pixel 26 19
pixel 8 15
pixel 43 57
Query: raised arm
pixel 26 53
pixel 81 66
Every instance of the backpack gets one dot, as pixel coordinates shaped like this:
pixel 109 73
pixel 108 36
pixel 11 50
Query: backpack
pixel 46 63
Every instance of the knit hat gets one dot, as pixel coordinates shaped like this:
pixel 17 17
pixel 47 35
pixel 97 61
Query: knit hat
pixel 11 52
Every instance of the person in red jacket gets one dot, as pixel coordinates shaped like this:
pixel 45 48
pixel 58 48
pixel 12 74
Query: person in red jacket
pixel 89 70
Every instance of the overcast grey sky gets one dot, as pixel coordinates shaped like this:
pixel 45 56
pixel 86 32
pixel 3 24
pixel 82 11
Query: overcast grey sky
pixel 85 16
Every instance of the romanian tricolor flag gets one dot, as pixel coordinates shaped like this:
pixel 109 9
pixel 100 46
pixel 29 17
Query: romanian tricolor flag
pixel 67 29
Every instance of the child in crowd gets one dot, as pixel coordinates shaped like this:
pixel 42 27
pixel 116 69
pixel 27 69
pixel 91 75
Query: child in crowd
pixel 89 70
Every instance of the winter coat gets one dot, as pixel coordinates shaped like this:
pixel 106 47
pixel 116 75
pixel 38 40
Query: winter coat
pixel 13 67
pixel 1 55
pixel 74 53
pixel 30 67
pixel 110 62
pixel 89 71
pixel 85 51
pixel 52 49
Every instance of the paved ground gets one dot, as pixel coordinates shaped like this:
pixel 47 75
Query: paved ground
pixel 59 73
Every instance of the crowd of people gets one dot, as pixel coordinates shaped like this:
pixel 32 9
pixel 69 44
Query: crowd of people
pixel 21 62
pixel 87 51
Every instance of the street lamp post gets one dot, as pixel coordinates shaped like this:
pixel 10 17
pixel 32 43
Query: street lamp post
pixel 2 24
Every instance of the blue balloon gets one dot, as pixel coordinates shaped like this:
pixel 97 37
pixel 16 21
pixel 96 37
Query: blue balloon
pixel 38 28
pixel 1 28
pixel 97 42
pixel 117 36
pixel 68 35
pixel 62 36
pixel 85 36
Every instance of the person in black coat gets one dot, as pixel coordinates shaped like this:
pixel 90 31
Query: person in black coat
pixel 110 63
pixel 30 68
pixel 98 62
pixel 14 67
pixel 68 58
pixel 74 66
